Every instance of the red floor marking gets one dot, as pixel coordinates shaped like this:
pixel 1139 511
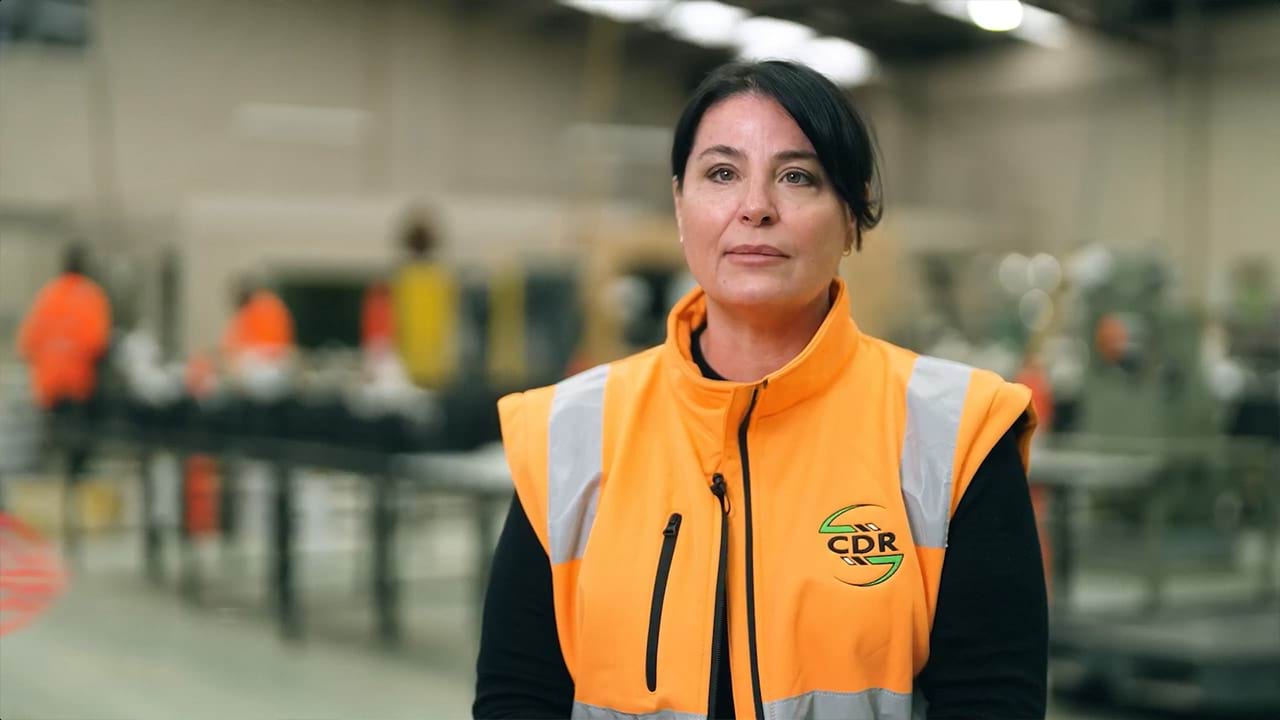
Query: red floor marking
pixel 31 574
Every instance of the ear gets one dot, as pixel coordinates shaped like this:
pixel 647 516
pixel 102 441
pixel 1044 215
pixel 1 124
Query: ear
pixel 851 230
pixel 676 198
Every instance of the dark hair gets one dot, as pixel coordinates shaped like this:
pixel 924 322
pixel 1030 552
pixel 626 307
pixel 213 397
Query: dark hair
pixel 841 138
pixel 420 240
pixel 74 259
pixel 244 294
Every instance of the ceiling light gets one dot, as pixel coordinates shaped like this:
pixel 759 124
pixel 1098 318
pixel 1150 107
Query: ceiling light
pixel 759 38
pixel 1043 28
pixel 995 15
pixel 844 62
pixel 1024 21
pixel 704 22
pixel 621 10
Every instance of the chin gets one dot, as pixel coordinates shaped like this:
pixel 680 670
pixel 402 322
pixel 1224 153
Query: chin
pixel 757 292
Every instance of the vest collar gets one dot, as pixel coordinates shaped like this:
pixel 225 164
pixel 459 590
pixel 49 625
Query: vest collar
pixel 828 353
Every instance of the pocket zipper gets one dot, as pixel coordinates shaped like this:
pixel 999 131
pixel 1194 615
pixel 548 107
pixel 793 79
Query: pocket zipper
pixel 669 535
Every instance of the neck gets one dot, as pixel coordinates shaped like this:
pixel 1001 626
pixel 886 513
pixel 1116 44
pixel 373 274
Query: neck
pixel 745 344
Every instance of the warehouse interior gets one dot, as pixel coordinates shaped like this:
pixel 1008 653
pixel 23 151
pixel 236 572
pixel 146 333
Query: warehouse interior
pixel 1077 196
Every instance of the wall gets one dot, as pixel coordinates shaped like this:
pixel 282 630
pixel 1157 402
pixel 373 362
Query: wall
pixel 185 103
pixel 1099 142
pixel 293 103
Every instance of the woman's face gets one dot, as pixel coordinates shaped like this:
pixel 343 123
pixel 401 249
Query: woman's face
pixel 761 224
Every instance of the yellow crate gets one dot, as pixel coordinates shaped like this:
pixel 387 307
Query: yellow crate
pixel 39 503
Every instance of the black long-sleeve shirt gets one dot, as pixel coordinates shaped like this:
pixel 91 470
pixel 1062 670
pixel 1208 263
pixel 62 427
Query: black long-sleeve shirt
pixel 988 651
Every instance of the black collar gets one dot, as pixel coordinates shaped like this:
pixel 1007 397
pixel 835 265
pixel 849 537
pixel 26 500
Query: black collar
pixel 695 349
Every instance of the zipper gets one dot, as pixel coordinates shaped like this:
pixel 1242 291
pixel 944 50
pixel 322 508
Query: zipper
pixel 669 535
pixel 751 579
pixel 717 624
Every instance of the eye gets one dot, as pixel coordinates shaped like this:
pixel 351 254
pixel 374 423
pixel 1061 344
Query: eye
pixel 797 177
pixel 722 174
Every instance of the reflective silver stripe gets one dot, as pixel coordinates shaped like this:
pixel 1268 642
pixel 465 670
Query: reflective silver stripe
pixel 574 461
pixel 935 401
pixel 872 704
pixel 582 711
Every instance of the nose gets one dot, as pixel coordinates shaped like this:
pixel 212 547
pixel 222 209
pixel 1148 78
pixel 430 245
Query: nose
pixel 758 208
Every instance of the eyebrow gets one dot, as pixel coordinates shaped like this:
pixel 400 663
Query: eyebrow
pixel 722 150
pixel 796 155
pixel 784 156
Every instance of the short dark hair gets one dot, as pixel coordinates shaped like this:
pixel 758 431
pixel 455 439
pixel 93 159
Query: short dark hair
pixel 75 258
pixel 420 240
pixel 244 292
pixel 841 138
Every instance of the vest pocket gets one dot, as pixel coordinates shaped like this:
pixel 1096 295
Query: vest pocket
pixel 669 535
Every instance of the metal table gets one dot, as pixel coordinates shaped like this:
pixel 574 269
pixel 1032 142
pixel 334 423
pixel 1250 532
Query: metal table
pixel 1213 658
pixel 1068 474
pixel 481 475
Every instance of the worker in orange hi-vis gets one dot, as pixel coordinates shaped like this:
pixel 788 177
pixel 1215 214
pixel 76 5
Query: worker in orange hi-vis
pixel 257 350
pixel 377 317
pixel 62 339
pixel 380 354
pixel 262 325
pixel 65 335
pixel 203 510
pixel 258 344
pixel 1035 376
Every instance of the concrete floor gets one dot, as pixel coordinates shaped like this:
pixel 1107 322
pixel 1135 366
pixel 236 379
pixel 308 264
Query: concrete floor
pixel 117 648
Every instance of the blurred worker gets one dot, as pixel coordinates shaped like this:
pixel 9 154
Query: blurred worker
pixel 200 375
pixel 377 318
pixel 386 385
pixel 65 336
pixel 258 342
pixel 63 339
pixel 1035 376
pixel 426 311
pixel 751 519
pixel 261 324
pixel 1111 339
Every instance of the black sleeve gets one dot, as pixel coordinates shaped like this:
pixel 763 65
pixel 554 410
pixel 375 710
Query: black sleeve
pixel 989 646
pixel 520 672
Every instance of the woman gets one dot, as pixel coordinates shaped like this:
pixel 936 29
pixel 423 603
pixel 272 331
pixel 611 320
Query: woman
pixel 751 519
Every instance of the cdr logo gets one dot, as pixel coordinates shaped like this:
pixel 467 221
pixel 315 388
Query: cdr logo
pixel 862 545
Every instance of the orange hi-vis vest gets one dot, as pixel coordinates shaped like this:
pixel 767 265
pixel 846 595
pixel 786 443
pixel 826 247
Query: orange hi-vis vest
pixel 64 335
pixel 808 511
pixel 262 325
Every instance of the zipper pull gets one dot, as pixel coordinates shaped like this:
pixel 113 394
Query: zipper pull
pixel 673 526
pixel 720 490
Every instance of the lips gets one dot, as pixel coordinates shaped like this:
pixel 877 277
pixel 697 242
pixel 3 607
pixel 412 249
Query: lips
pixel 764 250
